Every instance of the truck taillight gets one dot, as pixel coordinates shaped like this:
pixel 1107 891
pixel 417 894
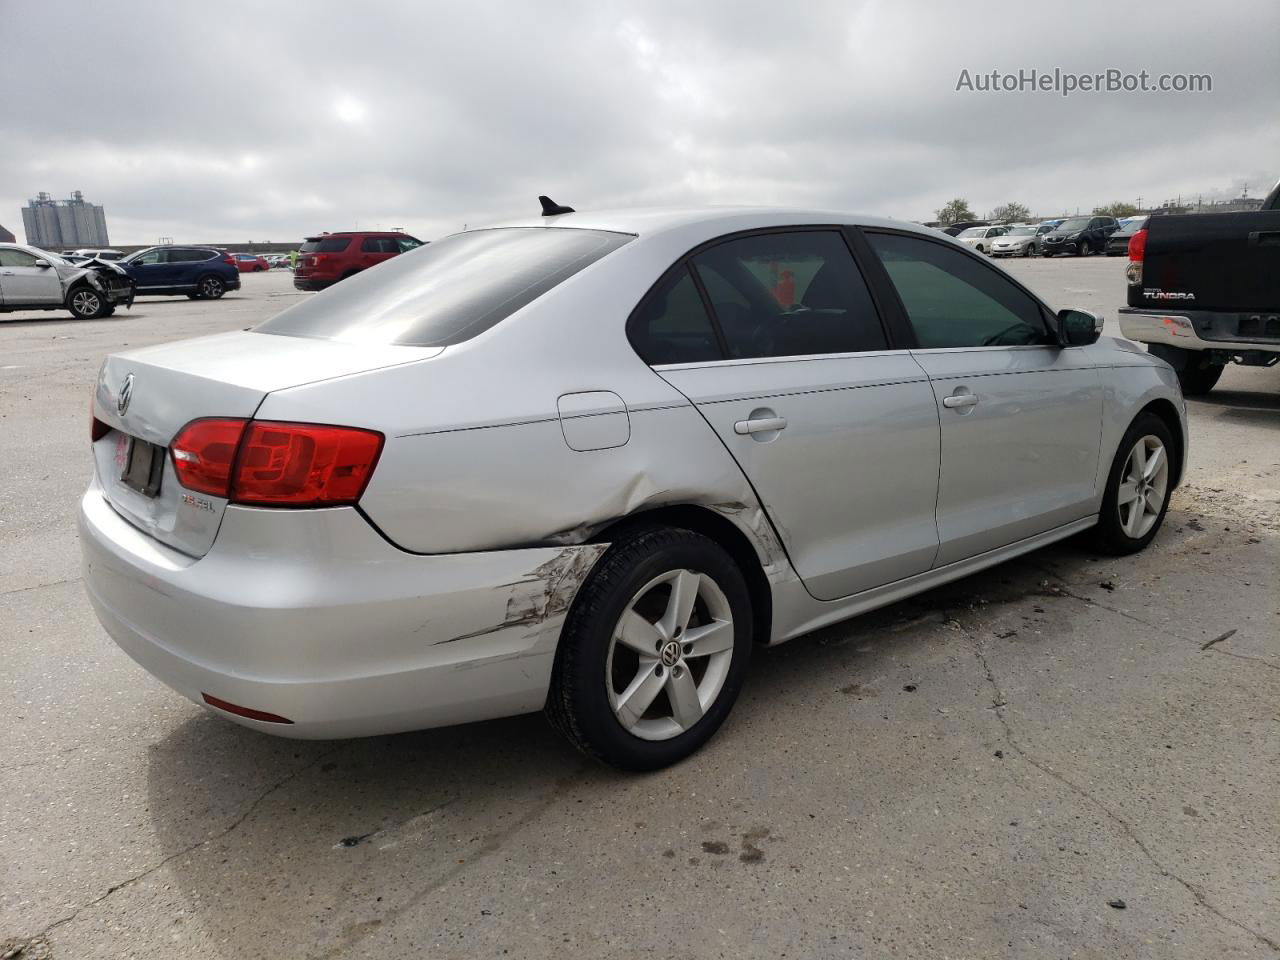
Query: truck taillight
pixel 1138 245
pixel 264 463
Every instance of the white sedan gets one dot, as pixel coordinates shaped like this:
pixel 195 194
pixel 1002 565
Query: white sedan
pixel 586 462
pixel 981 238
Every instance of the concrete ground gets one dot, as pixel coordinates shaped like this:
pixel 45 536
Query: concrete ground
pixel 974 773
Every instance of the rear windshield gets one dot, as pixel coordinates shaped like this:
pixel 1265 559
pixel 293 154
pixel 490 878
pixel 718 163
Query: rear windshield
pixel 449 291
pixel 325 244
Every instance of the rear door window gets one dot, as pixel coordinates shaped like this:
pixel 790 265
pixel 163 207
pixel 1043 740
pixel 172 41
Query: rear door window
pixel 449 291
pixel 325 244
pixel 789 294
pixel 955 300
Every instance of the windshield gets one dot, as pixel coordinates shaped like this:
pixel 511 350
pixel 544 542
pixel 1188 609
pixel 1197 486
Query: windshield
pixel 1022 232
pixel 974 232
pixel 1076 223
pixel 449 291
pixel 1132 227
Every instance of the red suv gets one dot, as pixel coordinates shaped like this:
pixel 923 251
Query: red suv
pixel 331 257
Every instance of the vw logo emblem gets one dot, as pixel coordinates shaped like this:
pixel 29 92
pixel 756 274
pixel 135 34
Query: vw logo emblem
pixel 670 653
pixel 126 394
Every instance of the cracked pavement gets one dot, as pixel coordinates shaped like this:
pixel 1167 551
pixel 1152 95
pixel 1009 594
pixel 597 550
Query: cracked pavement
pixel 972 773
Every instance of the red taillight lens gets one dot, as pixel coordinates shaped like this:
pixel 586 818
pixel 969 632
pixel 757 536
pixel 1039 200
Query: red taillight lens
pixel 304 465
pixel 97 429
pixel 264 463
pixel 203 453
pixel 1138 245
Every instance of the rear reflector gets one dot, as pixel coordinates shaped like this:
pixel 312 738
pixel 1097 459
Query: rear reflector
pixel 244 711
pixel 266 463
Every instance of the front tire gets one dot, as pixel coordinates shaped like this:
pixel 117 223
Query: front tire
pixel 1138 487
pixel 85 303
pixel 1083 249
pixel 654 650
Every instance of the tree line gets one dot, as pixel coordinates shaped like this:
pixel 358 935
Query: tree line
pixel 957 211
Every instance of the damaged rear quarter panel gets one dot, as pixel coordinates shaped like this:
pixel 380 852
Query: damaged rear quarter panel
pixel 521 485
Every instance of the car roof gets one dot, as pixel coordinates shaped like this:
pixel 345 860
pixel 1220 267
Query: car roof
pixel 357 233
pixel 713 221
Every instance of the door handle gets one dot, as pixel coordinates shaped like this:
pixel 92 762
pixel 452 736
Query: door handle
pixel 960 400
pixel 763 425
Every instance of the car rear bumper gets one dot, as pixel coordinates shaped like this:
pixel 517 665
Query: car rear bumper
pixel 313 617
pixel 1192 330
pixel 313 283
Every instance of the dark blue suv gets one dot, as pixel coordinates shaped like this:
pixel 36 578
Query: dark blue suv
pixel 203 273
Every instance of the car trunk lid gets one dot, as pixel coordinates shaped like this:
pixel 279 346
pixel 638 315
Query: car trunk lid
pixel 146 396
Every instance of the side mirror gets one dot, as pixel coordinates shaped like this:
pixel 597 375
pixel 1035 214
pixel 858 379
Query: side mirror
pixel 1079 327
pixel 43 264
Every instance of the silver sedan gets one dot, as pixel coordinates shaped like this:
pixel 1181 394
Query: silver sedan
pixel 587 462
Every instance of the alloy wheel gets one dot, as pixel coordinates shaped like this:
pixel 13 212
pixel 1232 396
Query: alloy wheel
pixel 1144 484
pixel 86 303
pixel 211 287
pixel 669 655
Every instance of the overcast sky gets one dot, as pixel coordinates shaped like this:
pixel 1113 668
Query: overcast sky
pixel 233 121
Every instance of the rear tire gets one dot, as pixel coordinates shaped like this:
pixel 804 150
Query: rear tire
pixel 1198 377
pixel 622 690
pixel 1139 486
pixel 210 287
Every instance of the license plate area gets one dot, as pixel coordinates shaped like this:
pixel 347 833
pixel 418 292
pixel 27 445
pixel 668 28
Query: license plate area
pixel 144 465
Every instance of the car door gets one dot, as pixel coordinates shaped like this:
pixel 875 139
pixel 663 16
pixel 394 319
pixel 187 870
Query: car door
pixel 22 282
pixel 1020 415
pixel 374 250
pixel 150 270
pixel 776 339
pixel 181 264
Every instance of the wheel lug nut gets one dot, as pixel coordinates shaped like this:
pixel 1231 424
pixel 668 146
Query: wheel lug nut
pixel 658 646
pixel 679 630
pixel 688 649
pixel 658 670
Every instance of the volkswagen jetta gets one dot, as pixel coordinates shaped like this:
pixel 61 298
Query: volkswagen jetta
pixel 585 462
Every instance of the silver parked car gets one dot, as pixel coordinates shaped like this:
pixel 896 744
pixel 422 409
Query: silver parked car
pixel 1022 240
pixel 587 462
pixel 35 279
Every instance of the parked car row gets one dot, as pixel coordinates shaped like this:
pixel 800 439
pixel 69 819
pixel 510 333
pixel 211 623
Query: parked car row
pixel 1077 236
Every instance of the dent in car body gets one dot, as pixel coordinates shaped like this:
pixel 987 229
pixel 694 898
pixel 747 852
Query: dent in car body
pixel 546 592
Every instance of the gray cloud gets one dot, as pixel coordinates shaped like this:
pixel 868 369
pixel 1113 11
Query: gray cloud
pixel 265 121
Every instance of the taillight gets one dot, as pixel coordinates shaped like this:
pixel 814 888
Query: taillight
pixel 1137 253
pixel 228 259
pixel 204 452
pixel 304 465
pixel 97 429
pixel 265 463
pixel 1138 245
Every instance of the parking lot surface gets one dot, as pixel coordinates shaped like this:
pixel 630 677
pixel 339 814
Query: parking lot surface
pixel 1065 756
